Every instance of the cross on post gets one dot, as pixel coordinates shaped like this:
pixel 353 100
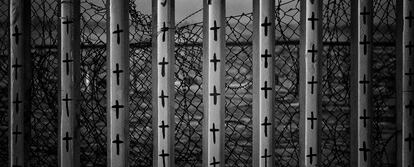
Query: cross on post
pixel 163 126
pixel 214 163
pixel 215 61
pixel 364 15
pixel 312 118
pixel 313 51
pixel 164 3
pixel 266 124
pixel 410 107
pixel 16 34
pixel 265 89
pixel 313 19
pixel 67 61
pixel 16 133
pixel 311 155
pixel 162 97
pixel 214 130
pixel 365 42
pixel 16 67
pixel 163 64
pixel 365 150
pixel 163 155
pixel 118 33
pixel 266 26
pixel 364 83
pixel 117 142
pixel 364 117
pixel 410 74
pixel 265 156
pixel 17 103
pixel 67 22
pixel 117 107
pixel 67 139
pixel 67 100
pixel 163 30
pixel 117 72
pixel 214 94
pixel 265 56
pixel 215 28
pixel 409 46
pixel 410 140
pixel 312 83
pixel 410 19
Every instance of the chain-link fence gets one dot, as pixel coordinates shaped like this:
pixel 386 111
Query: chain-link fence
pixel 188 75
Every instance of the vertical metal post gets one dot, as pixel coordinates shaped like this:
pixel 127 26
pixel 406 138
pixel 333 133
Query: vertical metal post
pixel 118 84
pixel 20 82
pixel 163 89
pixel 69 83
pixel 263 81
pixel 310 81
pixel 360 82
pixel 405 82
pixel 213 76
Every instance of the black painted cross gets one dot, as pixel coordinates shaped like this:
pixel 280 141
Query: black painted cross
pixel 163 30
pixel 162 97
pixel 215 28
pixel 117 72
pixel 312 83
pixel 364 117
pixel 117 107
pixel 311 155
pixel 163 155
pixel 312 1
pixel 410 46
pixel 365 43
pixel 410 74
pixel 313 51
pixel 67 22
pixel 117 142
pixel 67 61
pixel 265 89
pixel 67 139
pixel 364 83
pixel 164 3
pixel 364 149
pixel 163 126
pixel 16 34
pixel 16 133
pixel 214 163
pixel 118 33
pixel 17 103
pixel 215 61
pixel 410 140
pixel 364 14
pixel 266 26
pixel 214 94
pixel 266 124
pixel 214 130
pixel 16 67
pixel 163 64
pixel 66 100
pixel 410 19
pixel 265 156
pixel 313 19
pixel 265 56
pixel 312 118
pixel 410 107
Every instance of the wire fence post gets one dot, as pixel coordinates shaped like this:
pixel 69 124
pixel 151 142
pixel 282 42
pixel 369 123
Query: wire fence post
pixel 20 74
pixel 310 80
pixel 163 82
pixel 361 43
pixel 263 82
pixel 69 84
pixel 405 85
pixel 213 81
pixel 118 84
